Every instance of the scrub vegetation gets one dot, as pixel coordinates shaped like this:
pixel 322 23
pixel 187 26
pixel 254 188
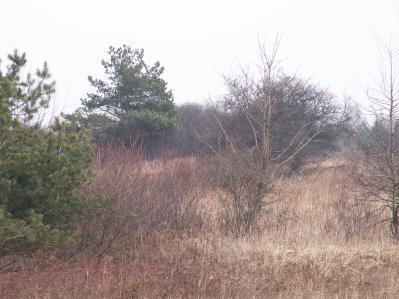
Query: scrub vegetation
pixel 277 189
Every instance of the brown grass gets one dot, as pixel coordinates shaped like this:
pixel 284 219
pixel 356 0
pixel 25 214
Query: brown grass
pixel 319 240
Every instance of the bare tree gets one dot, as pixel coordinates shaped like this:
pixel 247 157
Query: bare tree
pixel 246 168
pixel 378 170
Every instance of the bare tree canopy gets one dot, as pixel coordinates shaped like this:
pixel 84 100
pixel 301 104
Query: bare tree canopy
pixel 378 170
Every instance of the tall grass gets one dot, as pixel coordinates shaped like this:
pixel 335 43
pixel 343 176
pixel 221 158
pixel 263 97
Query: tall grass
pixel 318 240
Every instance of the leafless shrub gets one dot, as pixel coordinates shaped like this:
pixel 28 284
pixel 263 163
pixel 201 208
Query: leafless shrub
pixel 377 170
pixel 247 169
pixel 176 188
pixel 129 193
pixel 244 190
pixel 357 217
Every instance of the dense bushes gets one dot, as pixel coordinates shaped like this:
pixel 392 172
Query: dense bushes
pixel 129 194
pixel 299 106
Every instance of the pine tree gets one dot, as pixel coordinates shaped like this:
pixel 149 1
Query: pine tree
pixel 39 167
pixel 134 100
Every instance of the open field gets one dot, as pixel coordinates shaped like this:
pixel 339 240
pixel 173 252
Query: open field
pixel 315 241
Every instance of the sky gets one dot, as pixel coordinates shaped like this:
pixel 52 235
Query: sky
pixel 333 44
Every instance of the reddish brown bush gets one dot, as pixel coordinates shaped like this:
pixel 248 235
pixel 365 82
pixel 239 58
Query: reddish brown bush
pixel 129 193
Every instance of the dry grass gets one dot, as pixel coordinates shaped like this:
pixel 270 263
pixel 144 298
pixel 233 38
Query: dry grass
pixel 317 241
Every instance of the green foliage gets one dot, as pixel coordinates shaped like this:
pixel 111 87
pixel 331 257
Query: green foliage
pixel 151 122
pixel 39 167
pixel 18 235
pixel 133 100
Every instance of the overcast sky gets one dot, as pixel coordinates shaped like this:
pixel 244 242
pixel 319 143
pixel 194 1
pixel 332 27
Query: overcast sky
pixel 334 43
